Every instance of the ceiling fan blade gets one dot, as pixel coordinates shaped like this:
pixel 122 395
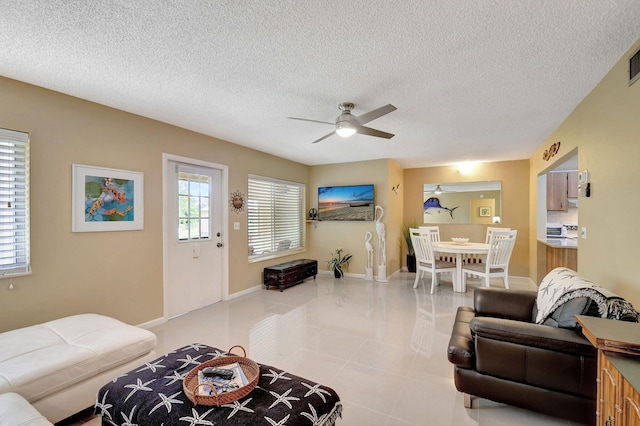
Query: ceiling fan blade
pixel 376 113
pixel 313 121
pixel 324 137
pixel 373 132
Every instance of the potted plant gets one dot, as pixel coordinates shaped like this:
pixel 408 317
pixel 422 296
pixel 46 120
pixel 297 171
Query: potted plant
pixel 337 262
pixel 411 254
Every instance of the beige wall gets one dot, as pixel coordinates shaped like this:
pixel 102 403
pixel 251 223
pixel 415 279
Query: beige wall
pixel 120 273
pixel 324 237
pixel 514 176
pixel 605 128
pixel 113 273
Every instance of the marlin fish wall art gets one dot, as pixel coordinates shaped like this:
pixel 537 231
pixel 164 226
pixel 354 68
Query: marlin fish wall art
pixel 433 205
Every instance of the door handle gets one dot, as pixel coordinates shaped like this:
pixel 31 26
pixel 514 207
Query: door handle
pixel 219 244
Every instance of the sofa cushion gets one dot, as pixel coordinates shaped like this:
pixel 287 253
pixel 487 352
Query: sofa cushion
pixel 564 315
pixel 42 359
pixel 16 411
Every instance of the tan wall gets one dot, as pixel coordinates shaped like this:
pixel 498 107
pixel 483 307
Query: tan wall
pixel 120 273
pixel 605 128
pixel 113 273
pixel 515 203
pixel 324 237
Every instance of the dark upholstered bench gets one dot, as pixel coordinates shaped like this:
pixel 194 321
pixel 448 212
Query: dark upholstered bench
pixel 290 273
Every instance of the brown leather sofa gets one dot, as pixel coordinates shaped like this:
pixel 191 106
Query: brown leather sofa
pixel 500 354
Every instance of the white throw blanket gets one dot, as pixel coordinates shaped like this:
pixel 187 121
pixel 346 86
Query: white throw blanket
pixel 563 284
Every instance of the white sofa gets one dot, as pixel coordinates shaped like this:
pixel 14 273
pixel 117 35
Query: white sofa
pixel 59 366
pixel 16 411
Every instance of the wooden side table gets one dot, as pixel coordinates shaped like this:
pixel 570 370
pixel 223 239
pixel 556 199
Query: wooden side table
pixel 618 344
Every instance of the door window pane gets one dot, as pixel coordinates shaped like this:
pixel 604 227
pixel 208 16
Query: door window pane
pixel 193 205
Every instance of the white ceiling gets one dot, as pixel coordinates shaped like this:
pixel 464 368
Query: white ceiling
pixel 481 81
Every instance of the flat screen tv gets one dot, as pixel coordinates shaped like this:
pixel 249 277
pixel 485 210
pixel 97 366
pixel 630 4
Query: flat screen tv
pixel 354 202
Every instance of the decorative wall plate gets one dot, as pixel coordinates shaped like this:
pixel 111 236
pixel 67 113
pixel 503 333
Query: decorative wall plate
pixel 236 201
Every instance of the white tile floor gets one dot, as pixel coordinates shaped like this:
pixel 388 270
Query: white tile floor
pixel 381 346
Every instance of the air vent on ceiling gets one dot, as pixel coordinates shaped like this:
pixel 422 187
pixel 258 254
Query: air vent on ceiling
pixel 634 67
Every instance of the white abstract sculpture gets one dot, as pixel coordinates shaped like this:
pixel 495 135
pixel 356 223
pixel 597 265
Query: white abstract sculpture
pixel 382 246
pixel 369 247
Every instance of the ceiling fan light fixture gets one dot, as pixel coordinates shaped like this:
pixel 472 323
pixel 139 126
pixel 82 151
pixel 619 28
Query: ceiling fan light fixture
pixel 345 129
pixel 347 124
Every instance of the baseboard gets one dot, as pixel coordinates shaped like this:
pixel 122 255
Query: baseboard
pixel 244 292
pixel 515 282
pixel 152 323
pixel 523 281
pixel 346 274
pixel 352 275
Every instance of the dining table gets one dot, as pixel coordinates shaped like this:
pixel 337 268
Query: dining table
pixel 460 249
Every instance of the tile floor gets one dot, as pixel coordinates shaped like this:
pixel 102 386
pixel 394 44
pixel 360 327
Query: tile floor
pixel 381 346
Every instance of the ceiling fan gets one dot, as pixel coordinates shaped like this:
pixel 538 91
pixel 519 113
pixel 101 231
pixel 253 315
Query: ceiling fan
pixel 348 124
pixel 438 190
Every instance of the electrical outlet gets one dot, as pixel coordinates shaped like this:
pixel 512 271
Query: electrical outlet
pixel 583 232
pixel 236 226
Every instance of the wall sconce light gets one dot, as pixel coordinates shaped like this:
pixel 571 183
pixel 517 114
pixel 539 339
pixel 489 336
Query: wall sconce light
pixel 466 167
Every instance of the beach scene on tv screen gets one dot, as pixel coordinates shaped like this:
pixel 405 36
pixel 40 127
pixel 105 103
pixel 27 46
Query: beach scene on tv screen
pixel 346 203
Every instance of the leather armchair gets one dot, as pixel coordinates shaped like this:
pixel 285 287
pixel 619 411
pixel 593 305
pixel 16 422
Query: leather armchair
pixel 500 354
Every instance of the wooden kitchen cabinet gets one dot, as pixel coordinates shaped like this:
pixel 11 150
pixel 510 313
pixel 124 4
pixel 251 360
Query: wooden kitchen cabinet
pixel 557 191
pixel 572 184
pixel 560 187
pixel 559 256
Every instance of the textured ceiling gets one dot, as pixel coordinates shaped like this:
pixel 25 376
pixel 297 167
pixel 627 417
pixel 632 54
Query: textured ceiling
pixel 472 80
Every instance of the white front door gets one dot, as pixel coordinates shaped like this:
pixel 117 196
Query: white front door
pixel 193 241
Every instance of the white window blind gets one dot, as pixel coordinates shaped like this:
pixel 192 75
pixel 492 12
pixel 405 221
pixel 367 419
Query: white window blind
pixel 14 203
pixel 275 213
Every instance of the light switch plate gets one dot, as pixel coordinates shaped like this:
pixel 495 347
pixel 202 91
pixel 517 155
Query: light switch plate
pixel 236 226
pixel 583 232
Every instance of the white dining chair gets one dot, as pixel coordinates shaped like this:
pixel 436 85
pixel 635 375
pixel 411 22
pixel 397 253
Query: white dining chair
pixel 426 261
pixel 496 265
pixel 490 229
pixel 434 232
pixel 482 258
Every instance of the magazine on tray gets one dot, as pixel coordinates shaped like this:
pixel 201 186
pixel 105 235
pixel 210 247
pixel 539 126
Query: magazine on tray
pixel 222 385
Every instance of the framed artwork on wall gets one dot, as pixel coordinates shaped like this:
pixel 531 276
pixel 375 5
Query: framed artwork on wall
pixel 105 199
pixel 349 202
pixel 485 211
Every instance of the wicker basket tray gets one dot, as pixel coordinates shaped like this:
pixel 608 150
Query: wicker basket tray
pixel 251 371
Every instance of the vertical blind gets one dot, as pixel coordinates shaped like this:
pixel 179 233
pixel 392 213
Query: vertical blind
pixel 14 203
pixel 275 213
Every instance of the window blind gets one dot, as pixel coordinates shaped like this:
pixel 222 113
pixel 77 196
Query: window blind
pixel 14 203
pixel 275 214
